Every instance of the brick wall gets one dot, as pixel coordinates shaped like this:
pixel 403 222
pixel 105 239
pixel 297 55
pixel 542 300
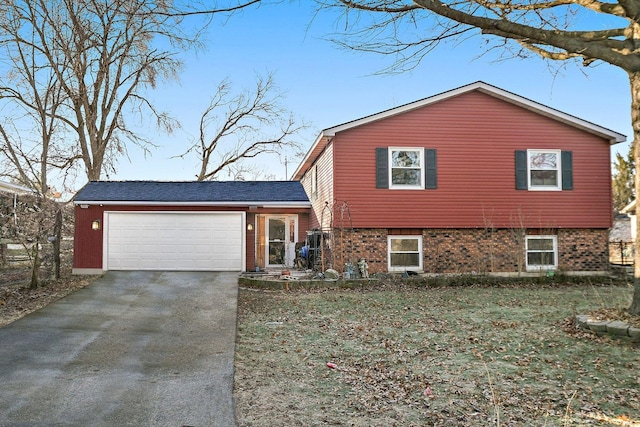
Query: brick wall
pixel 583 250
pixel 475 250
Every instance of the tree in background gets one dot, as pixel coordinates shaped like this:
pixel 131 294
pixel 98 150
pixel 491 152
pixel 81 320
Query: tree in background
pixel 81 69
pixel 75 74
pixel 556 30
pixel 235 128
pixel 623 180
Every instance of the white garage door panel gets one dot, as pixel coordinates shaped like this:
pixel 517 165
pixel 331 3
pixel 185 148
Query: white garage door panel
pixel 174 241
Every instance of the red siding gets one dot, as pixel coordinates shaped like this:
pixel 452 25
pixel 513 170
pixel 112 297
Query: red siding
pixel 88 243
pixel 476 136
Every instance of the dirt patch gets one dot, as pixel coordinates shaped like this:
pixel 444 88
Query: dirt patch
pixel 439 357
pixel 17 300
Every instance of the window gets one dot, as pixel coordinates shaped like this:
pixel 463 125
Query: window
pixel 544 170
pixel 314 182
pixel 405 168
pixel 542 252
pixel 405 253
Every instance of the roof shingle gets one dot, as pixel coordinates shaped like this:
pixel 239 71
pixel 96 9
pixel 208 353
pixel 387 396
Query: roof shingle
pixel 192 191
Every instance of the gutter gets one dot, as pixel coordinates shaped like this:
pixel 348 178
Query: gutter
pixel 262 204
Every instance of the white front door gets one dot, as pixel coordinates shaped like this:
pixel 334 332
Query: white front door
pixel 281 236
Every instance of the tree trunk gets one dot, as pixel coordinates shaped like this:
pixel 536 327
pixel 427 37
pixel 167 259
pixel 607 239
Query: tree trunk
pixel 35 267
pixel 634 79
pixel 57 232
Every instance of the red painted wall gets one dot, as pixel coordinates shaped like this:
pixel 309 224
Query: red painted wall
pixel 88 243
pixel 475 136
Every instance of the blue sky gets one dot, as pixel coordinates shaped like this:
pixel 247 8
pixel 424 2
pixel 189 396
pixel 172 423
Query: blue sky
pixel 326 86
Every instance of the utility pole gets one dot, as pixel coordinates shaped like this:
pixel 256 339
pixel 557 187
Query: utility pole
pixel 286 171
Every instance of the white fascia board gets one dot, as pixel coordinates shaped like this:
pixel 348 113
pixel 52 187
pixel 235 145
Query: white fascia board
pixel 151 203
pixel 613 137
pixel 306 156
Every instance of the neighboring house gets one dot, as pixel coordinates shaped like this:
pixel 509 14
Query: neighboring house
pixel 630 210
pixel 621 239
pixel 6 187
pixel 225 226
pixel 9 193
pixel 476 179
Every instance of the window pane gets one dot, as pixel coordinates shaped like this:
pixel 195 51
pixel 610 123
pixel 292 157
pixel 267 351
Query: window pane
pixel 276 229
pixel 540 244
pixel 534 258
pixel 548 258
pixel 276 252
pixel 405 260
pixel 540 258
pixel 404 245
pixel 543 161
pixel 544 177
pixel 405 159
pixel 406 176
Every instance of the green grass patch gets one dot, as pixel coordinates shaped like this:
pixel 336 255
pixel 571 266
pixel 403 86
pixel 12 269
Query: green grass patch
pixel 431 356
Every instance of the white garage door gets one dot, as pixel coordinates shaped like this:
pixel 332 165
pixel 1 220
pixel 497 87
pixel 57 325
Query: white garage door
pixel 174 241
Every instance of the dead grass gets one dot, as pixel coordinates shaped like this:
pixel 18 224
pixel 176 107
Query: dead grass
pixel 449 356
pixel 17 300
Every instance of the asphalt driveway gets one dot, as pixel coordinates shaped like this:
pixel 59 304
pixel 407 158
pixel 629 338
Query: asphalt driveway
pixel 131 349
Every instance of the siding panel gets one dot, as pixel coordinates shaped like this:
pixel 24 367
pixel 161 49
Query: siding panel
pixel 475 136
pixel 325 189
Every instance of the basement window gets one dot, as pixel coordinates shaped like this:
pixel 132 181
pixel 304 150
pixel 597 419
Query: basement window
pixel 542 253
pixel 404 253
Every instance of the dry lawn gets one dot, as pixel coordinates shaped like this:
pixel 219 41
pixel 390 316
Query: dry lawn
pixel 444 356
pixel 17 300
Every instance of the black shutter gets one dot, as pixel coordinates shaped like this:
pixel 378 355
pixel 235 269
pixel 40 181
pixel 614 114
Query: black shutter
pixel 567 170
pixel 521 170
pixel 431 168
pixel 382 168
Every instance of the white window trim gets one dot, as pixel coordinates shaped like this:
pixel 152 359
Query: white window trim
pixel 404 268
pixel 558 186
pixel 393 186
pixel 555 253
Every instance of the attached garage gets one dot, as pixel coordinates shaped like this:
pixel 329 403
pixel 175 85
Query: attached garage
pixel 186 225
pixel 174 241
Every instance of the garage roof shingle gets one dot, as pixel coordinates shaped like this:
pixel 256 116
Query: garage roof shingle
pixel 192 192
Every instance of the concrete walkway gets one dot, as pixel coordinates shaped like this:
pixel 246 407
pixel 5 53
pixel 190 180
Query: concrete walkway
pixel 132 349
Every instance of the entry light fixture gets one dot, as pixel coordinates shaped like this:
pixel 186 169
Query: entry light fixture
pixel 249 227
pixel 95 225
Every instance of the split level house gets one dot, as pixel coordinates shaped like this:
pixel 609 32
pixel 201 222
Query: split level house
pixel 476 179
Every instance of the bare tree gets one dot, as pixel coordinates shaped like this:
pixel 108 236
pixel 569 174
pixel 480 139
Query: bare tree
pixel 31 96
pixel 74 73
pixel 552 29
pixel 100 57
pixel 234 129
